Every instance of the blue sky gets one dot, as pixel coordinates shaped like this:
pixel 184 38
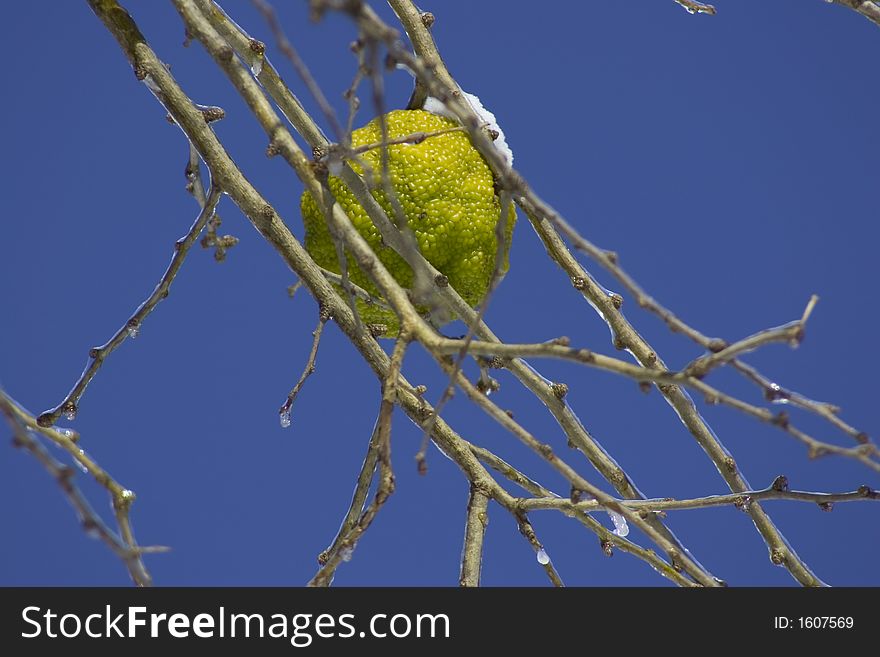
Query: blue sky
pixel 730 161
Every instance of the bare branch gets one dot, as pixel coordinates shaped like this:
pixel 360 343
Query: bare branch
pixel 740 500
pixel 475 531
pixel 791 333
pixel 545 451
pixel 379 453
pixel 413 138
pixel 222 39
pixel 528 532
pixel 302 70
pixel 531 379
pixel 309 369
pixel 867 8
pixel 694 7
pixel 546 221
pixel 356 508
pixel 194 185
pixel 500 465
pixel 123 545
pixel 97 355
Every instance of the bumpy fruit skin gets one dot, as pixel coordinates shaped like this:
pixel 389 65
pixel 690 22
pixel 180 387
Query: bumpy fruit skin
pixel 446 190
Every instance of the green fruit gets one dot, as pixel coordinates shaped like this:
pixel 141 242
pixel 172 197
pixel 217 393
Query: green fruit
pixel 447 193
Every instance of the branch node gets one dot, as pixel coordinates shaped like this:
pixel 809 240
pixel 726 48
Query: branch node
pixel 780 484
pixel 225 53
pixel 780 419
pixel 717 344
pixel 585 355
pixel 212 114
pixel 867 491
pixel 559 390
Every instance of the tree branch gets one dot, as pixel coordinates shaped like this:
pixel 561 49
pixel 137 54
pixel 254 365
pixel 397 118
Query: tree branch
pixel 546 221
pixel 740 500
pixel 97 355
pixel 123 545
pixel 475 531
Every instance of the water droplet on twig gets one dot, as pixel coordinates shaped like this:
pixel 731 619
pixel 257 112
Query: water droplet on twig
pixel 620 527
pixel 284 417
pixel 543 557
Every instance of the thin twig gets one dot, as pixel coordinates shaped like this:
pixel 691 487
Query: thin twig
pixel 569 422
pixel 194 185
pixel 267 221
pixel 123 544
pixel 545 451
pixel 366 259
pixel 867 8
pixel 359 498
pixel 97 355
pixel 792 333
pixel 546 222
pixel 356 521
pixel 740 500
pixel 866 453
pixel 284 411
pixel 410 139
pixel 299 65
pixel 350 94
pixel 694 7
pixel 610 262
pixel 775 393
pixel 359 292
pixel 380 442
pixel 528 532
pixel 500 465
pixel 291 289
pixel 473 324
